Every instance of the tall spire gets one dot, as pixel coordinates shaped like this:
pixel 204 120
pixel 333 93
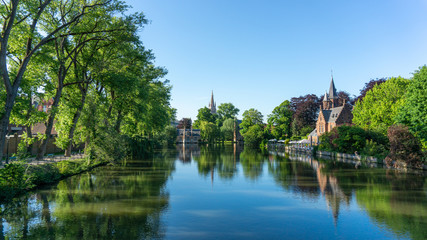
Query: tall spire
pixel 332 91
pixel 212 105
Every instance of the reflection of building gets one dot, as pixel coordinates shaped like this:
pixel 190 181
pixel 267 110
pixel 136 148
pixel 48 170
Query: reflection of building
pixel 188 135
pixel 328 184
pixel 331 115
pixel 330 188
pixel 187 152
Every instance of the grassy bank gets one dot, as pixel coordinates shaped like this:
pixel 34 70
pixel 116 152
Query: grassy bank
pixel 16 178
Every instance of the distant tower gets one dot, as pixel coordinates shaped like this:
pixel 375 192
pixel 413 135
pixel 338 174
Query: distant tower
pixel 212 105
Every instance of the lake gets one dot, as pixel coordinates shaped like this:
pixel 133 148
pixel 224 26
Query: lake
pixel 224 192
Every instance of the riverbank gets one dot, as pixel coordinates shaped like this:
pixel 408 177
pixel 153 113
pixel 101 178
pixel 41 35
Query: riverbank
pixel 337 156
pixel 17 177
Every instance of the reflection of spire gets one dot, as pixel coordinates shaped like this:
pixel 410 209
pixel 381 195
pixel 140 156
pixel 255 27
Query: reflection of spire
pixel 331 190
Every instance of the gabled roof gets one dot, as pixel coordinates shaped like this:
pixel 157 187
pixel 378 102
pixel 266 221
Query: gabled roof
pixel 313 133
pixel 332 91
pixel 332 114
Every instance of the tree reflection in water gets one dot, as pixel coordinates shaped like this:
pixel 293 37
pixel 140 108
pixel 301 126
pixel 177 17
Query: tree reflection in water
pixel 397 199
pixel 129 201
pixel 117 202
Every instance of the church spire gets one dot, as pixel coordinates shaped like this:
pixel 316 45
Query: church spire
pixel 212 105
pixel 332 91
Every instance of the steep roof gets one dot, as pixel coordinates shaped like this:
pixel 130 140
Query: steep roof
pixel 332 114
pixel 325 98
pixel 332 91
pixel 313 133
pixel 212 105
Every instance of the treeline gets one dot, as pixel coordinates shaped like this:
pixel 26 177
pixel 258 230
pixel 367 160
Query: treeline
pixel 219 126
pixel 87 58
pixel 390 121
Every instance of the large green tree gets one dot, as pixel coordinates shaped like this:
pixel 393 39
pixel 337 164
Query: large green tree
pixel 413 112
pixel 24 33
pixel 97 26
pixel 379 107
pixel 251 117
pixel 227 129
pixel 204 115
pixel 209 131
pixel 226 111
pixel 279 121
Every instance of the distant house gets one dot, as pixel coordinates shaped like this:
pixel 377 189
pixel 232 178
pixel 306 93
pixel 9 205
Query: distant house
pixel 188 135
pixel 330 114
pixel 40 105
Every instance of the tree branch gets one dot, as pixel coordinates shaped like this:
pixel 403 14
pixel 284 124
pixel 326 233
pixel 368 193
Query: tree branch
pixel 72 83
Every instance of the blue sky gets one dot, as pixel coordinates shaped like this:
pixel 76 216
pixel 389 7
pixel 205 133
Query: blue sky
pixel 256 54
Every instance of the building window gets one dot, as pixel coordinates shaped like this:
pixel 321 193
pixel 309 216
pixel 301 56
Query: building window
pixel 44 108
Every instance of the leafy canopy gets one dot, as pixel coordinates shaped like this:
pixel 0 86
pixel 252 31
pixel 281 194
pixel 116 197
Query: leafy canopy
pixel 413 111
pixel 380 106
pixel 279 121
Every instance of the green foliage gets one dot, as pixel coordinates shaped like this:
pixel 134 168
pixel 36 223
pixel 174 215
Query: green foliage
pixel 374 149
pixel 204 115
pixel 378 109
pixel 168 136
pixel 227 129
pixel 44 173
pixel 413 112
pixel 251 117
pixel 18 177
pixel 254 136
pixel 68 168
pixel 226 111
pixel 305 131
pixel 13 178
pixel 279 121
pixel 351 139
pixel 209 132
pixel 404 147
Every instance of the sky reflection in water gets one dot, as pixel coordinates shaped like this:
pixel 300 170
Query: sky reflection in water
pixel 224 193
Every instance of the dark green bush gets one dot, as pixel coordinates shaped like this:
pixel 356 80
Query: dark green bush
pixel 351 139
pixel 13 179
pixel 405 148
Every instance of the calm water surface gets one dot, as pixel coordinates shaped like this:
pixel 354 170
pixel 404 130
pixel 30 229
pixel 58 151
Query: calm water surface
pixel 224 193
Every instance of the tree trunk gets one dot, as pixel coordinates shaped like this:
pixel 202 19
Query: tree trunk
pixel 118 121
pixel 42 149
pixel 28 127
pixel 5 122
pixel 74 124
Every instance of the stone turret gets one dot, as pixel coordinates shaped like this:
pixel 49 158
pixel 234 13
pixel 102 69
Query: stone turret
pixel 325 101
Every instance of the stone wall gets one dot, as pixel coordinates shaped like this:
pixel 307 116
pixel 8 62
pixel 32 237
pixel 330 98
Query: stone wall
pixel 14 140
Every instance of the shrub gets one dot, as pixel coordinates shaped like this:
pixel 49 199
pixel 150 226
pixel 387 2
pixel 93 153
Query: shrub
pixel 254 136
pixel 44 173
pixel 405 148
pixel 350 139
pixel 13 179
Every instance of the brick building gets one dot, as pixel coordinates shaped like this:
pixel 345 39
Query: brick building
pixel 330 114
